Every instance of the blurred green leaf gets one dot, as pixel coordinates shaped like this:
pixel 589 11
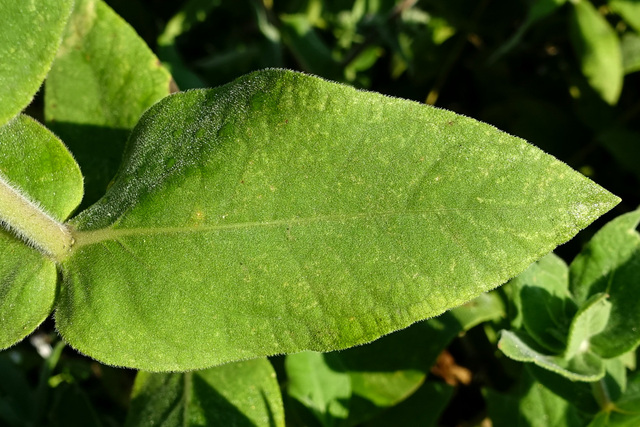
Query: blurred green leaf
pixel 630 52
pixel 627 407
pixel 422 409
pixel 243 394
pixel 390 369
pixel 538 10
pixel 578 393
pixel 30 36
pixel 103 78
pixel 71 407
pixel 309 49
pixel 16 397
pixel 600 420
pixel 43 391
pixel 598 49
pixel 191 13
pixel 610 263
pixel 382 374
pixel 37 163
pixel 625 412
pixel 321 384
pixel 583 367
pixel 624 146
pixel 615 379
pixel 629 10
pixel 365 60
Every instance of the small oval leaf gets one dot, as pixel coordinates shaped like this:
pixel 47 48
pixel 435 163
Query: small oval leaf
pixel 27 278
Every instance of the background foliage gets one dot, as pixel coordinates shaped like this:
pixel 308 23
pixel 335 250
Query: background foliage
pixel 562 75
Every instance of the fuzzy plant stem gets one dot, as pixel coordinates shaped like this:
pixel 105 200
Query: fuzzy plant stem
pixel 33 224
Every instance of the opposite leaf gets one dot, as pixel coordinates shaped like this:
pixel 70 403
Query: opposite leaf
pixel 283 212
pixel 35 161
pixel 31 33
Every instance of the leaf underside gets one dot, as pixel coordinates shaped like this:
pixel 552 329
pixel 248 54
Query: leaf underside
pixel 283 213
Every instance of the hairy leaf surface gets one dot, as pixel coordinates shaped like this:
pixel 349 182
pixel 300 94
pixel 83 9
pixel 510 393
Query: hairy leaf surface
pixel 37 163
pixel 283 212
pixel 31 33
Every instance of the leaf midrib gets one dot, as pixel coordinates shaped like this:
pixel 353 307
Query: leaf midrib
pixel 91 237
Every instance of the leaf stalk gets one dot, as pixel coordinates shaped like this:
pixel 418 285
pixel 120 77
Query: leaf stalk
pixel 32 224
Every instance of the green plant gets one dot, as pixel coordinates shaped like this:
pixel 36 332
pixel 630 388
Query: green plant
pixel 276 214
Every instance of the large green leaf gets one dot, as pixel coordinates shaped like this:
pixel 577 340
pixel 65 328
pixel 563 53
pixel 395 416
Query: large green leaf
pixel 37 163
pixel 598 49
pixel 610 263
pixel 237 394
pixel 102 80
pixel 31 33
pixel 282 212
